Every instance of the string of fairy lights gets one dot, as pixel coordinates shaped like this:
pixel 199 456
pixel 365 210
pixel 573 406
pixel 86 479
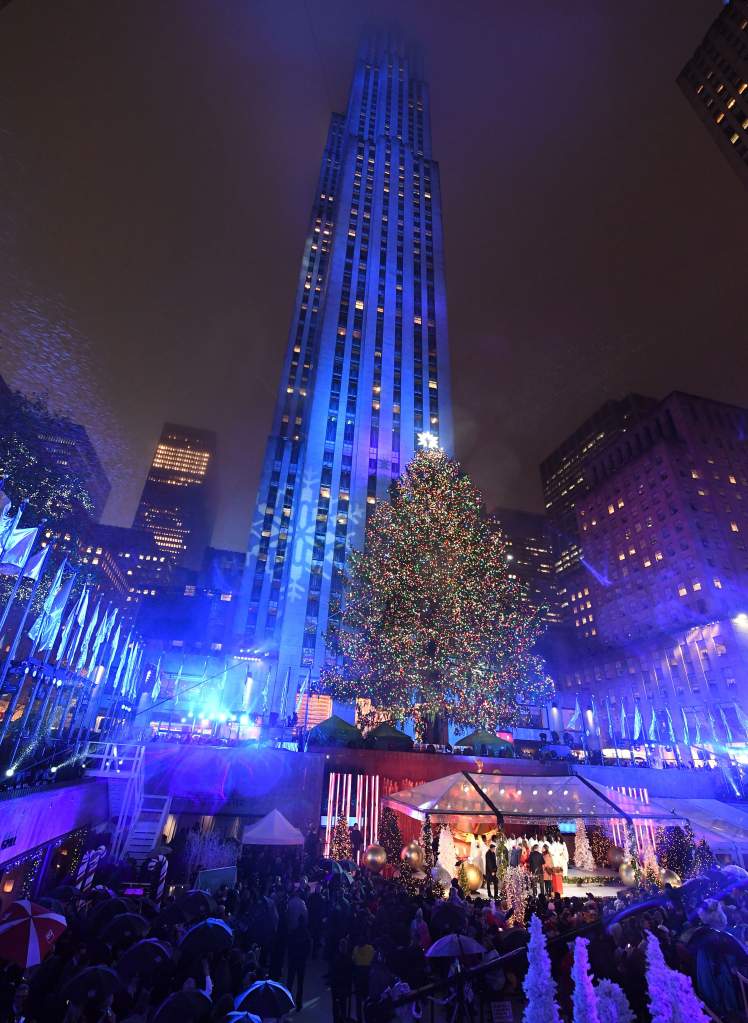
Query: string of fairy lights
pixel 434 622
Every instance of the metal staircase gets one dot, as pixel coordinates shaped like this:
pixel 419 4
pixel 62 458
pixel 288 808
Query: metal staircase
pixel 137 819
pixel 146 831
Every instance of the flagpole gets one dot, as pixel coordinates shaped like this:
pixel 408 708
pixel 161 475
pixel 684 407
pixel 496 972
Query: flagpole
pixel 19 580
pixel 10 709
pixel 45 615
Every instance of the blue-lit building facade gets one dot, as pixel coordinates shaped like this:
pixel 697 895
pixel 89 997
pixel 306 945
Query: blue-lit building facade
pixel 366 368
pixel 655 641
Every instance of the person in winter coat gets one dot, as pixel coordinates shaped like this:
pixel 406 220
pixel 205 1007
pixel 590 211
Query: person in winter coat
pixel 299 949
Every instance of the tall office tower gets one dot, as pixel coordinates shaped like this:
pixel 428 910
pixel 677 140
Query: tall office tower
pixel 177 506
pixel 564 483
pixel 715 83
pixel 664 523
pixel 366 369
pixel 57 442
pixel 531 552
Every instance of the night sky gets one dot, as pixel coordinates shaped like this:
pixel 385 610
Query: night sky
pixel 158 160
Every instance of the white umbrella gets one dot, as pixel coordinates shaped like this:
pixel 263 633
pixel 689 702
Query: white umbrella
pixel 455 946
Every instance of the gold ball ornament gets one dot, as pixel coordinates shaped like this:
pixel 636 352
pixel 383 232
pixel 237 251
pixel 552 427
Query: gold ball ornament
pixel 627 874
pixel 474 877
pixel 671 878
pixel 412 853
pixel 374 858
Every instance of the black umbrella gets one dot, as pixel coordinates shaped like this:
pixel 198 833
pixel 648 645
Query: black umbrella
pixel 184 1007
pixel 266 998
pixel 145 958
pixel 171 913
pixel 447 918
pixel 66 893
pixel 93 982
pixel 54 904
pixel 207 937
pixel 105 911
pixel 197 905
pixel 124 929
pixel 100 892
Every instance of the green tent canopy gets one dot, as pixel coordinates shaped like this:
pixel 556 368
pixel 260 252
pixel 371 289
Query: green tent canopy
pixel 334 732
pixel 385 736
pixel 494 745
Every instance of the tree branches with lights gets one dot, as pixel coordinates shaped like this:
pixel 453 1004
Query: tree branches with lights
pixel 434 621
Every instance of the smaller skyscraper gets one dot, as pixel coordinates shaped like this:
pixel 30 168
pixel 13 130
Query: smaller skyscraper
pixel 531 553
pixel 562 472
pixel 178 503
pixel 715 83
pixel 57 442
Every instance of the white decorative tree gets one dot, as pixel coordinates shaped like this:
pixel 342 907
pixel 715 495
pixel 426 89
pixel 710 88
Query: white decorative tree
pixel 447 851
pixel 539 985
pixel 671 995
pixel 584 1001
pixel 612 1004
pixel 583 858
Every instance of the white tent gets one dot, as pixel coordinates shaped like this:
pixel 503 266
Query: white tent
pixel 472 797
pixel 273 829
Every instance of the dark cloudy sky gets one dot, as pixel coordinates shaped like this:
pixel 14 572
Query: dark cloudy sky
pixel 157 164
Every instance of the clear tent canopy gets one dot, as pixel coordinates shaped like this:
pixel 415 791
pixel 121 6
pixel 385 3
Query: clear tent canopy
pixel 480 797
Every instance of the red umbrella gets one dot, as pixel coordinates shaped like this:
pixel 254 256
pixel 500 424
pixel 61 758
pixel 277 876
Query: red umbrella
pixel 28 932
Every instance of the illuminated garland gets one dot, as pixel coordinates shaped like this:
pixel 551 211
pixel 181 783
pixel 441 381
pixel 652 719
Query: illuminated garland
pixel 434 623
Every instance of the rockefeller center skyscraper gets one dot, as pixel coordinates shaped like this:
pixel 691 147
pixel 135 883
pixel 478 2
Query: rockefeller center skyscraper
pixel 366 369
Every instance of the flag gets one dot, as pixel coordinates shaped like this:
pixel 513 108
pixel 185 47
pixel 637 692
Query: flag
pixel 576 718
pixel 35 564
pixel 623 719
pixel 670 729
pixel 713 723
pixel 302 689
pixel 18 550
pixel 101 637
pixel 39 630
pixel 652 734
pixel 742 718
pixel 177 680
pixel 112 654
pixel 54 621
pixel 132 691
pixel 157 684
pixel 120 667
pixel 7 521
pixel 87 636
pixel 728 730
pixel 248 692
pixel 76 617
pixel 686 737
pixel 638 723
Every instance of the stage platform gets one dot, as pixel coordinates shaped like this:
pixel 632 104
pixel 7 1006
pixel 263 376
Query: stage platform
pixel 605 885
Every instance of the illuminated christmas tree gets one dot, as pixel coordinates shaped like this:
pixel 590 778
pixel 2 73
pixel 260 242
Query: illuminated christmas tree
pixel 340 842
pixel 434 625
pixel 583 858
pixel 427 842
pixel 389 835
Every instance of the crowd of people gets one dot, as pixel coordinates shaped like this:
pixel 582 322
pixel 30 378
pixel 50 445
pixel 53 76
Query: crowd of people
pixel 365 938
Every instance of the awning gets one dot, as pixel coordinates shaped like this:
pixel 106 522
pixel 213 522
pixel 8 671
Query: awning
pixel 566 797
